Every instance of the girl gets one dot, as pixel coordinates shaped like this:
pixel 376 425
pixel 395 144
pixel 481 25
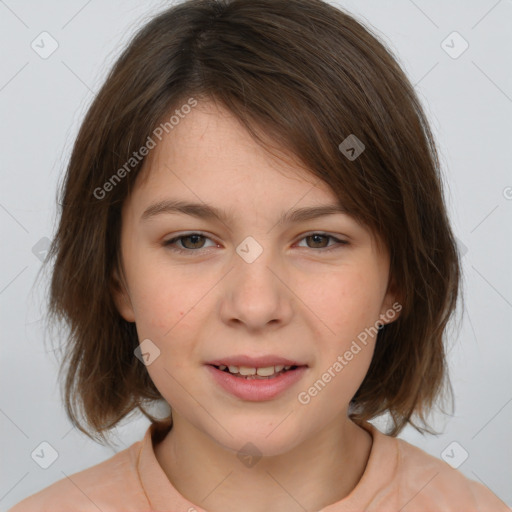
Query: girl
pixel 253 232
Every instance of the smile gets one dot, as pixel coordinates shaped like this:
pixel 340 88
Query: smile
pixel 267 372
pixel 256 384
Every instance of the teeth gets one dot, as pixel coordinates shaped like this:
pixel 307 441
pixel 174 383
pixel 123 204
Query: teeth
pixel 244 370
pixel 266 372
pixel 262 372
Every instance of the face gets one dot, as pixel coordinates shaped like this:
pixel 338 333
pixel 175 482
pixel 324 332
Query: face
pixel 203 289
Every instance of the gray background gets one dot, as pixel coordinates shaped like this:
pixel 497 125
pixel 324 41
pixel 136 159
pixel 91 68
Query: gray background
pixel 469 103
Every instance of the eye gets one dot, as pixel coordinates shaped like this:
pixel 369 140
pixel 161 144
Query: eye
pixel 194 242
pixel 197 242
pixel 316 237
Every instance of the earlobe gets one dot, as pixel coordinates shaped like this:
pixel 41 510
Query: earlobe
pixel 121 298
pixel 391 306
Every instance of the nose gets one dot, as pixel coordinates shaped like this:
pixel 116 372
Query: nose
pixel 255 293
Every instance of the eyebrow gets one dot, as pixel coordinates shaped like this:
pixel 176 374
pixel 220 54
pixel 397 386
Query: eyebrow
pixel 208 212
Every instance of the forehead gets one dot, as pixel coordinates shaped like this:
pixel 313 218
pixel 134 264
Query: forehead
pixel 210 154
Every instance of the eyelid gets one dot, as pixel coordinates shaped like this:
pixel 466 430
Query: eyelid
pixel 339 242
pixel 337 245
pixel 185 235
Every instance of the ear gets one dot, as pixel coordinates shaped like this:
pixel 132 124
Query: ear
pixel 391 305
pixel 121 298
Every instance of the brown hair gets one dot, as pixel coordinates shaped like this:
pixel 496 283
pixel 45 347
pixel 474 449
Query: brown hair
pixel 307 75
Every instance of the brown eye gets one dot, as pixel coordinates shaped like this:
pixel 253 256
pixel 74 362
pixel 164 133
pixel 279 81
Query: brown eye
pixel 191 242
pixel 317 240
pixel 196 241
pixel 320 241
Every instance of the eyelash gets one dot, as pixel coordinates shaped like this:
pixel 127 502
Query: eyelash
pixel 169 243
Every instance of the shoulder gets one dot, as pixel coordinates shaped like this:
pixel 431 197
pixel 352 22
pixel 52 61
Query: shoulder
pixel 427 481
pixel 110 485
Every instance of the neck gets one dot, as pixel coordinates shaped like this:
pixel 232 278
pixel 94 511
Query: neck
pixel 320 471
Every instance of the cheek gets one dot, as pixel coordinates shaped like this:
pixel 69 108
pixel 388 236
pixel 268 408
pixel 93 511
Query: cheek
pixel 162 299
pixel 345 301
pixel 170 305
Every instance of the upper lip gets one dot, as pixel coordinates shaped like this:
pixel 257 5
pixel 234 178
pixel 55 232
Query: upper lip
pixel 255 362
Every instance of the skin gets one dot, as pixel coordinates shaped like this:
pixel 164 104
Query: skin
pixel 294 300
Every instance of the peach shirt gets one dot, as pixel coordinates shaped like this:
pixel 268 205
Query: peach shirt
pixel 398 477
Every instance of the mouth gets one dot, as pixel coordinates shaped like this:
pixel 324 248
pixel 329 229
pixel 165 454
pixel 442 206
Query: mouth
pixel 259 382
pixel 253 373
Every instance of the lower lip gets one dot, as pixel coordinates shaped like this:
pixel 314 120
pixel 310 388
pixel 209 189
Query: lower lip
pixel 256 390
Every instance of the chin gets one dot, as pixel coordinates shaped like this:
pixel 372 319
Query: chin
pixel 258 438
